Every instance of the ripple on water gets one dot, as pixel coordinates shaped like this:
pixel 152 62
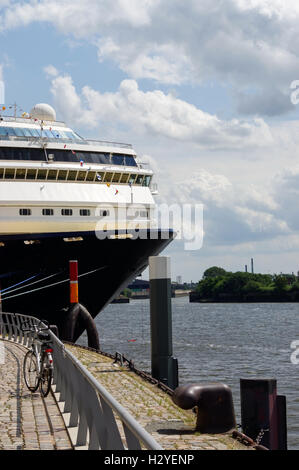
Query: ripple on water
pixel 222 342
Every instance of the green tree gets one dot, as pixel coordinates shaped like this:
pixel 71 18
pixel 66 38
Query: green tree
pixel 214 271
pixel 252 287
pixel 206 287
pixel 280 283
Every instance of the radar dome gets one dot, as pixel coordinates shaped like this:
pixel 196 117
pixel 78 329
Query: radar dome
pixel 44 112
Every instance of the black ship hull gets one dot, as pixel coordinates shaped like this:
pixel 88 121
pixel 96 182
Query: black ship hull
pixel 34 269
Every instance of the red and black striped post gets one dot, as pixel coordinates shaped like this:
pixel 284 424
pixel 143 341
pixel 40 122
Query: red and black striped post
pixel 74 288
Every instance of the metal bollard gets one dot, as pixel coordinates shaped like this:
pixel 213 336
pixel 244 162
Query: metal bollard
pixel 214 402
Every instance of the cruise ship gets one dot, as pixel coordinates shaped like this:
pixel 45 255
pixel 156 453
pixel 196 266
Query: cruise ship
pixel 62 198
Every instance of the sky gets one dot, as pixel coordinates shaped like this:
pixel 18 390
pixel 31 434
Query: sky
pixel 204 90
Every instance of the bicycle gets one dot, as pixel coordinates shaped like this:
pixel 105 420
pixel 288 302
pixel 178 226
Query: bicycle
pixel 38 361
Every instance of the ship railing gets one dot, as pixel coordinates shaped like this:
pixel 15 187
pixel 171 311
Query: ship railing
pixel 28 120
pixel 36 140
pixel 108 143
pixel 39 140
pixel 94 419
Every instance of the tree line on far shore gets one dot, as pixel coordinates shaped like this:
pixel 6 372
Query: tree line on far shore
pixel 219 285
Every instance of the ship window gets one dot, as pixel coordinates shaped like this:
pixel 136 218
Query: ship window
pixel 132 179
pixel 99 176
pixel 130 161
pixel 57 134
pixel 85 212
pixel 31 174
pixel 124 178
pixel 19 132
pixel 42 174
pixel 139 179
pixel 118 159
pixel 67 212
pixel 108 177
pixel 59 155
pixel 51 133
pixel 104 213
pixel 4 131
pixel 72 175
pixel 25 211
pixel 47 133
pixel 116 177
pixel 90 175
pixel 48 211
pixel 35 132
pixel 62 174
pixel 69 135
pixel 21 174
pixel 146 181
pixel 52 175
pixel 10 131
pixel 144 214
pixel 9 173
pixel 81 176
pixel 27 132
pixel 1 173
pixel 60 134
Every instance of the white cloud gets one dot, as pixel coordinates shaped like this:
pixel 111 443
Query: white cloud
pixel 156 113
pixel 234 214
pixel 51 71
pixel 249 44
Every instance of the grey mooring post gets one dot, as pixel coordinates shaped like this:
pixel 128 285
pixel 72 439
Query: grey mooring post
pixel 164 365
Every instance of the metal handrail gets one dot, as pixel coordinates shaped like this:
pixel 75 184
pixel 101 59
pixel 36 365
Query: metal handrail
pixel 109 144
pixel 93 410
pixel 38 140
pixel 28 120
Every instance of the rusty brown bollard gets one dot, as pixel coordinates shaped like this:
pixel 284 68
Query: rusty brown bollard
pixel 214 403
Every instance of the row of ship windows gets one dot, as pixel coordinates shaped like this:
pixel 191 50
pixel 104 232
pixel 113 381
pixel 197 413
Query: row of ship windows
pixel 66 155
pixel 33 132
pixel 73 175
pixel 82 212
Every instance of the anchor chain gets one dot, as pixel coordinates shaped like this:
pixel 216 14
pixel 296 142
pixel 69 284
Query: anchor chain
pixel 260 436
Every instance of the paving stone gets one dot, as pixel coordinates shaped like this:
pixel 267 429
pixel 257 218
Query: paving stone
pixel 170 426
pixel 23 420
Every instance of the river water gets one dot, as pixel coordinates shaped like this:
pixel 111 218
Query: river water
pixel 216 342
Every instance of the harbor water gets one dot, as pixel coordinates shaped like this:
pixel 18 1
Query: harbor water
pixel 215 342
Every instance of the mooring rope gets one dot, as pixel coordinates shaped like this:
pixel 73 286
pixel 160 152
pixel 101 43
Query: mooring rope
pixel 18 284
pixel 27 285
pixel 52 285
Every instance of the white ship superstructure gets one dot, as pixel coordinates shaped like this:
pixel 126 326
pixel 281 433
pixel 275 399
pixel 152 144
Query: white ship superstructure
pixel 66 198
pixel 54 181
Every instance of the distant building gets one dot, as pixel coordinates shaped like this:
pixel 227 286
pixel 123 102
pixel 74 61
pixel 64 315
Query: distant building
pixel 179 279
pixel 139 289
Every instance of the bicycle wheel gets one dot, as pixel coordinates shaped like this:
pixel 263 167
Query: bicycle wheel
pixel 31 371
pixel 45 380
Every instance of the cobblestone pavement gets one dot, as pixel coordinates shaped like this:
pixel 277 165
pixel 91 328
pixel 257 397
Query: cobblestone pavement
pixel 172 427
pixel 23 419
